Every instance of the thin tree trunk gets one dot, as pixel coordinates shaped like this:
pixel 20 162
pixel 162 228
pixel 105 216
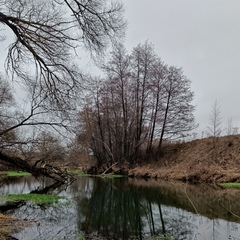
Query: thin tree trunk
pixel 164 124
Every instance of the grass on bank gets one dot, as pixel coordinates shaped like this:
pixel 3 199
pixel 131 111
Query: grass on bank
pixel 78 173
pixel 230 185
pixel 16 174
pixel 110 175
pixel 81 174
pixel 39 199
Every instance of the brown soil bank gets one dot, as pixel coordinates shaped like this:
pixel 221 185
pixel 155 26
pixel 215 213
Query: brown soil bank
pixel 203 160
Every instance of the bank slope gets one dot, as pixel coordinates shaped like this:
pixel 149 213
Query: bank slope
pixel 202 160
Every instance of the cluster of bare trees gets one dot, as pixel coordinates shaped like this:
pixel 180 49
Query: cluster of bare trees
pixel 140 103
pixel 46 37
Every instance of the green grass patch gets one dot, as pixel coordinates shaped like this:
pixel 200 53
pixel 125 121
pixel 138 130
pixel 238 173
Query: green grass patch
pixel 81 174
pixel 74 171
pixel 229 184
pixel 17 174
pixel 110 175
pixel 39 199
pixel 85 175
pixel 78 173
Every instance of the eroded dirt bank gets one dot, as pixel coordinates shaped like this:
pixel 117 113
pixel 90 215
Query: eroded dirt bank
pixel 203 160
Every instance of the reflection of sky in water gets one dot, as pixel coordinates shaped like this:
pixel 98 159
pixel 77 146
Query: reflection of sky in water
pixel 66 221
pixel 185 225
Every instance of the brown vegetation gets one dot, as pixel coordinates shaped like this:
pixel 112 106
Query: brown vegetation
pixel 203 160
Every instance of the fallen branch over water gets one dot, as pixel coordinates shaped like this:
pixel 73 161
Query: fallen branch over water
pixel 47 170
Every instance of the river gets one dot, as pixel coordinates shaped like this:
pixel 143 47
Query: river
pixel 128 209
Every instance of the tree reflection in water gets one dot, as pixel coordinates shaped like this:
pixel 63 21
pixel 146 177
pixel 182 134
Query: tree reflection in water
pixel 118 210
pixel 129 209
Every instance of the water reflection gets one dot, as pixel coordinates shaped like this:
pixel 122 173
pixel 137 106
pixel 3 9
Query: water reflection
pixel 130 209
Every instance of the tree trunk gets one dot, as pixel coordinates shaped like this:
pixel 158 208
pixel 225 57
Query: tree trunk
pixel 164 123
pixel 47 170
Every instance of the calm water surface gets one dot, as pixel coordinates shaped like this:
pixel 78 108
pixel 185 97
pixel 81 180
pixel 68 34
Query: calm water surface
pixel 129 209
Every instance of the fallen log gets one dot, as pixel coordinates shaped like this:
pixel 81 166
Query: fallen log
pixel 48 170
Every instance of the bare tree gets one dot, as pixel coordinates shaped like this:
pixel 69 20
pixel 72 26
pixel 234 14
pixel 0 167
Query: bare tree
pixel 48 33
pixel 6 103
pixel 17 135
pixel 35 114
pixel 215 121
pixel 231 129
pixel 140 102
pixel 143 58
pixel 118 69
pixel 176 108
pixel 47 37
pixel 157 96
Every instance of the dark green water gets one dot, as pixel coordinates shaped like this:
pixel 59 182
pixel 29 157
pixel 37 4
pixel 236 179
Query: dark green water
pixel 129 209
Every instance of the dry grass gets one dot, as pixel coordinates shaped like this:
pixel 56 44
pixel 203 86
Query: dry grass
pixel 196 161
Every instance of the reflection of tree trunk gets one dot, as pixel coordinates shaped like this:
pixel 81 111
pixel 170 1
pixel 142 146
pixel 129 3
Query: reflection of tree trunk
pixel 113 211
pixel 100 218
pixel 47 171
pixel 213 229
pixel 140 227
pixel 161 218
pixel 151 218
pixel 49 189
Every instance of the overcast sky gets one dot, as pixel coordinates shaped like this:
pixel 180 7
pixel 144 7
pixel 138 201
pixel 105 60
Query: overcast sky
pixel 202 37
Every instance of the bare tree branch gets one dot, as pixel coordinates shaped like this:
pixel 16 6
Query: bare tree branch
pixel 47 34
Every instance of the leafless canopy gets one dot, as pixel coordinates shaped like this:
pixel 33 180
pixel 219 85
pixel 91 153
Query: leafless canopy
pixel 47 34
pixel 140 103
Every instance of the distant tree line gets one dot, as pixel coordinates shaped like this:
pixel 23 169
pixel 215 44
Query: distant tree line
pixel 140 103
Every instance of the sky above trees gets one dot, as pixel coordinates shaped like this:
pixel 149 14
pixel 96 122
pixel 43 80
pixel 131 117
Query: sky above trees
pixel 202 37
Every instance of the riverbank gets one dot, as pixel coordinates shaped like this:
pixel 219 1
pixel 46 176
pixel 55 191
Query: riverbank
pixel 203 160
